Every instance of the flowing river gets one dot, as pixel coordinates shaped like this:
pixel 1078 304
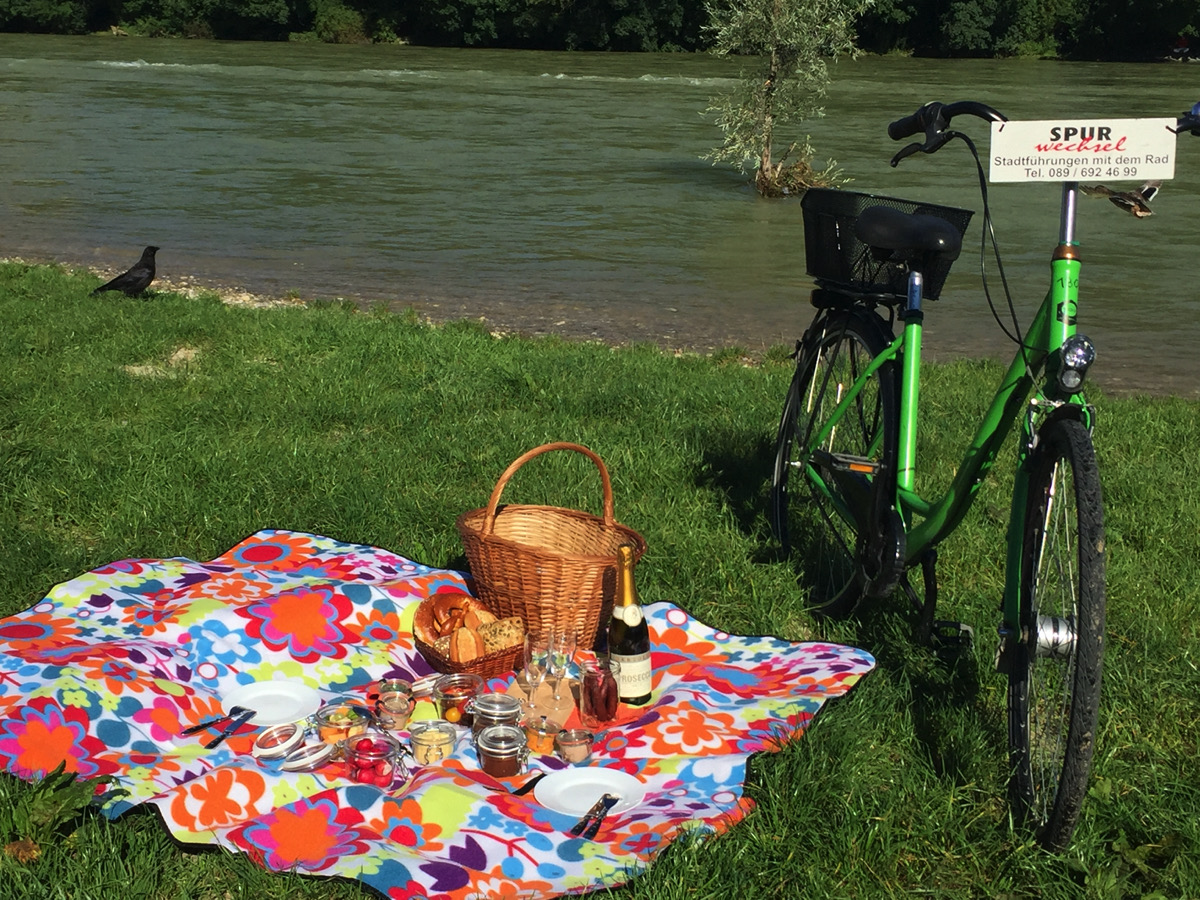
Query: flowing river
pixel 555 192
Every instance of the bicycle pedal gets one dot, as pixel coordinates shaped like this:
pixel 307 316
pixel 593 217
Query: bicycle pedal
pixel 846 462
pixel 952 638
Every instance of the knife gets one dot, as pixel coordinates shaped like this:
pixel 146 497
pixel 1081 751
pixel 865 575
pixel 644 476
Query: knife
pixel 599 808
pixel 215 720
pixel 610 800
pixel 239 720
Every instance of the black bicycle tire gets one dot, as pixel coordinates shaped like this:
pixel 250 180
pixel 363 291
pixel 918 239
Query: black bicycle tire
pixel 1053 808
pixel 868 333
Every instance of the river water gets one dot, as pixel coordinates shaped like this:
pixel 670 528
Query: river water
pixel 552 192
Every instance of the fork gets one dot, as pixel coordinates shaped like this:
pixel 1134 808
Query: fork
pixel 590 832
pixel 237 722
pixel 594 816
pixel 215 720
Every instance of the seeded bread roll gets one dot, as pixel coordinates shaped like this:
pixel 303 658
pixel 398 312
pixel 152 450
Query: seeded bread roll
pixel 502 634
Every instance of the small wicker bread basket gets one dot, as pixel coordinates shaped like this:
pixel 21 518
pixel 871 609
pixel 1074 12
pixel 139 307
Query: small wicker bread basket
pixel 553 567
pixel 489 665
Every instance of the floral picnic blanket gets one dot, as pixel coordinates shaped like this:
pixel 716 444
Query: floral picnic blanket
pixel 108 670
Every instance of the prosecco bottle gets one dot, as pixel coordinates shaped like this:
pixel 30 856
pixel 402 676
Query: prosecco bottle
pixel 628 636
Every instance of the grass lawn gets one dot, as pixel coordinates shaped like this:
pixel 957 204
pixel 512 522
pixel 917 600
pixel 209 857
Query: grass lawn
pixel 175 427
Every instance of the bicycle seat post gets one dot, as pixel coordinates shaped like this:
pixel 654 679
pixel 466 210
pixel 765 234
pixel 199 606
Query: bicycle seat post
pixel 1066 228
pixel 1064 265
pixel 914 318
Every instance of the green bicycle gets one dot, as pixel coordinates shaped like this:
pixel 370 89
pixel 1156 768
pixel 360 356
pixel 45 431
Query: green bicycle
pixel 843 494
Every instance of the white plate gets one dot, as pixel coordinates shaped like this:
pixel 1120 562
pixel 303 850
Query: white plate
pixel 274 702
pixel 575 791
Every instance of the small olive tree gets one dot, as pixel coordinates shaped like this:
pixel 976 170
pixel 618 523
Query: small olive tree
pixel 786 45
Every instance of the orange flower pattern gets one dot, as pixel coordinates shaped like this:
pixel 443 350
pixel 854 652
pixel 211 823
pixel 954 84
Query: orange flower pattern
pixel 106 673
pixel 220 798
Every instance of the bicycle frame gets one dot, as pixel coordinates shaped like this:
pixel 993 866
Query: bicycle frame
pixel 849 430
pixel 1040 354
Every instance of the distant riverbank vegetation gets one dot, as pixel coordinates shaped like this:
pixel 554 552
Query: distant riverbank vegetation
pixel 1080 29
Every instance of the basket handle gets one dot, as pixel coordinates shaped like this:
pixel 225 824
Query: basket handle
pixel 489 521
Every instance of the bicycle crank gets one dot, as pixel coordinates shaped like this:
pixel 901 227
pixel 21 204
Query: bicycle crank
pixel 882 556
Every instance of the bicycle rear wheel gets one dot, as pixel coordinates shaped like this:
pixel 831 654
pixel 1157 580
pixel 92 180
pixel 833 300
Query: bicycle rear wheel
pixel 1054 679
pixel 821 487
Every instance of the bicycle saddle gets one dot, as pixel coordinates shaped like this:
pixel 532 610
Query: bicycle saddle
pixel 885 228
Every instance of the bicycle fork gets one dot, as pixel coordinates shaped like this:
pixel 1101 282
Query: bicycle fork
pixel 1053 329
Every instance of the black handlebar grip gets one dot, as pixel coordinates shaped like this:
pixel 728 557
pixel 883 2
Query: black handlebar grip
pixel 917 123
pixel 908 126
pixel 1189 121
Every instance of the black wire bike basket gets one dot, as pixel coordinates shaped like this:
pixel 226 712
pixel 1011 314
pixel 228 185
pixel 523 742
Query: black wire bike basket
pixel 833 253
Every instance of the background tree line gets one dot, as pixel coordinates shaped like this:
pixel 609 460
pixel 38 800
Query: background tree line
pixel 1087 29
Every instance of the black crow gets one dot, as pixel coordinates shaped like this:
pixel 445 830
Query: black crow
pixel 136 279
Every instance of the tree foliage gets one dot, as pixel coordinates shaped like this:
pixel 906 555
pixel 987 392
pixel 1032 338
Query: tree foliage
pixel 627 25
pixel 786 45
pixel 1083 29
pixel 44 16
pixel 1087 29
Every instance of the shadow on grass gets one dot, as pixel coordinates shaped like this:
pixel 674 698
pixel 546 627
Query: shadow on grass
pixel 737 466
pixel 950 721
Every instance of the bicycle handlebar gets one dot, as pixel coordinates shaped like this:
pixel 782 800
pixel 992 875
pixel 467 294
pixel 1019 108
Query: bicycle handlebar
pixel 1189 122
pixel 934 120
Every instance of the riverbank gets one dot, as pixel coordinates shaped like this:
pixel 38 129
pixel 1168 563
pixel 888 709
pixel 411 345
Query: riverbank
pixel 664 327
pixel 499 316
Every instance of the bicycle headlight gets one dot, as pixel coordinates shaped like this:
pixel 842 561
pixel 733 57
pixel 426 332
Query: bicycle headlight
pixel 1078 354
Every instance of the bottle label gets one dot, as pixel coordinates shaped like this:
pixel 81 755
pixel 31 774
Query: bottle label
pixel 635 674
pixel 630 615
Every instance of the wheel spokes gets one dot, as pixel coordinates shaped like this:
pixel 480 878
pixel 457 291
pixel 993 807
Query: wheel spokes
pixel 1053 642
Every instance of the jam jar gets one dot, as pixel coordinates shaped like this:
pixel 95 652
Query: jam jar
pixel 574 745
pixel 539 734
pixel 501 750
pixel 598 692
pixel 308 757
pixel 431 741
pixel 278 741
pixel 340 721
pixel 374 759
pixel 494 709
pixel 453 693
pixel 394 704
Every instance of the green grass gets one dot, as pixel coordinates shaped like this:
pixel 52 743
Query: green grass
pixel 176 427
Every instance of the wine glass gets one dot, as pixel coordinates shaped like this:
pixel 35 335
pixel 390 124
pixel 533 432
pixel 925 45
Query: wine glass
pixel 537 658
pixel 562 653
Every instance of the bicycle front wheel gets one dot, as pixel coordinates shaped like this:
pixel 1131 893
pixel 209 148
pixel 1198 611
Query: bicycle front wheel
pixel 821 487
pixel 1054 680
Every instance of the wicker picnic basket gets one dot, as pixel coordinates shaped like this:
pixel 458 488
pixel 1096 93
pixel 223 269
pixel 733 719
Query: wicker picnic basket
pixel 553 567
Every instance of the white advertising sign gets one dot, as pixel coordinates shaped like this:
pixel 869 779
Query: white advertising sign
pixel 1074 150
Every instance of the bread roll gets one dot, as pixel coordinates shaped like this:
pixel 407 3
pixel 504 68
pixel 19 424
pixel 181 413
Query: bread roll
pixel 477 617
pixel 502 634
pixel 466 644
